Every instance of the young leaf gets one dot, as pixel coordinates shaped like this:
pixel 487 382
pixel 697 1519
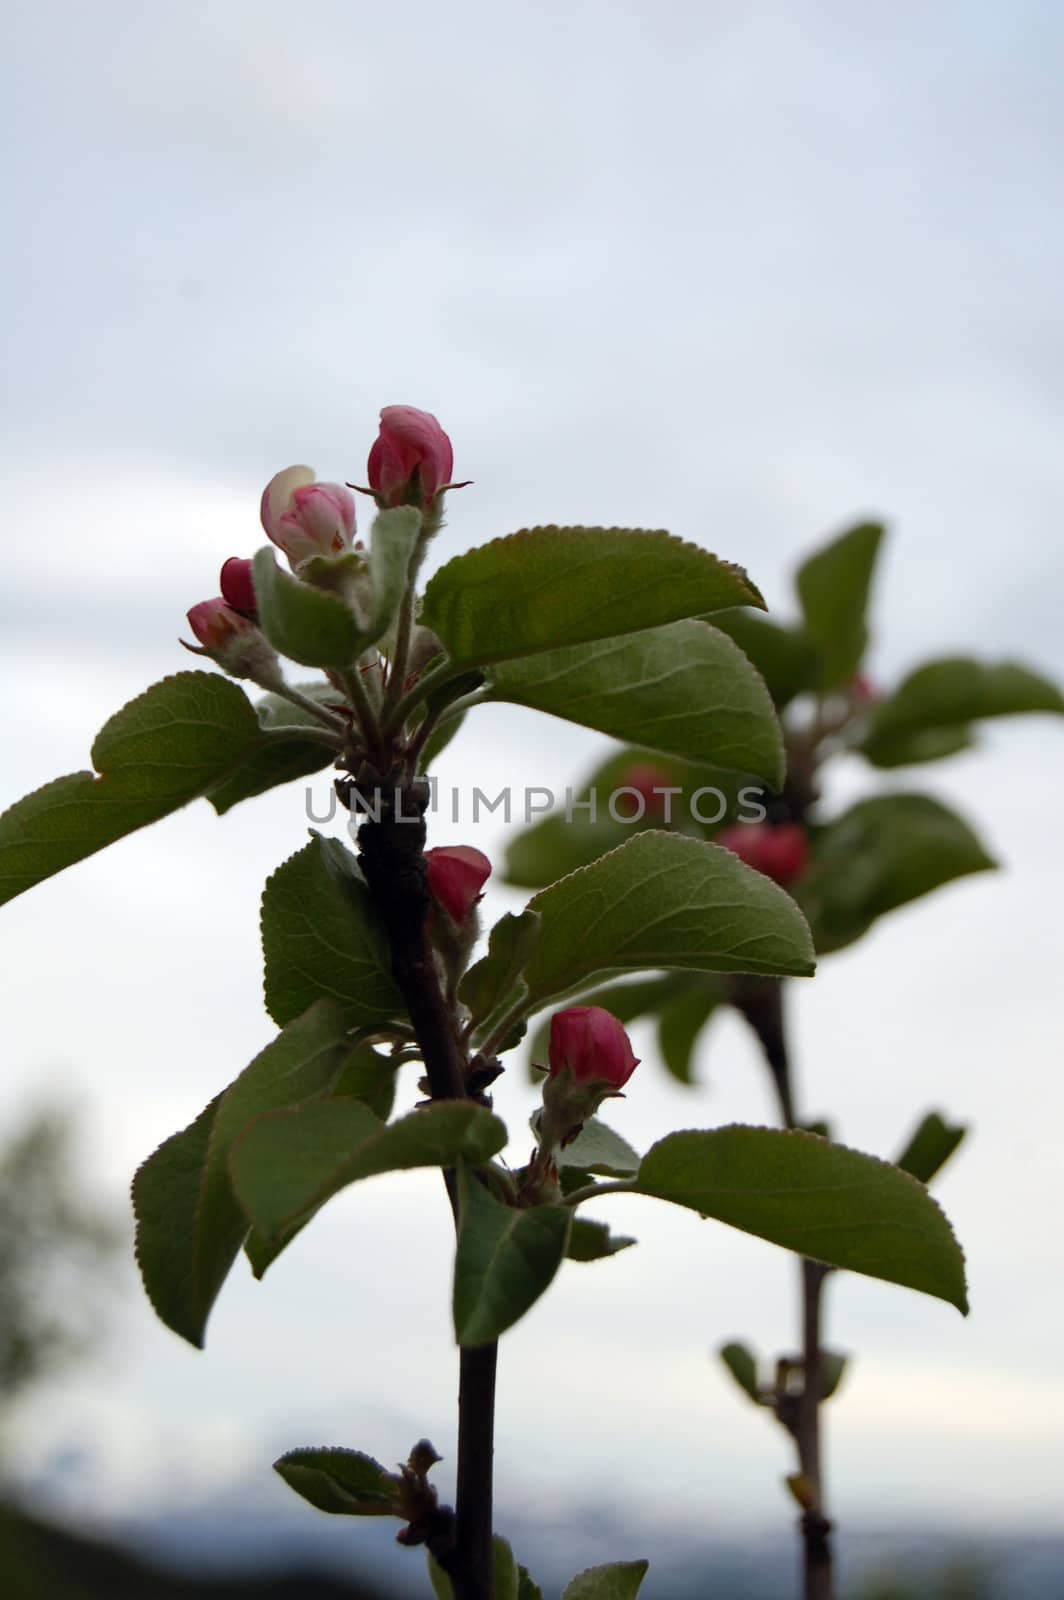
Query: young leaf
pixel 306 624
pixel 545 588
pixel 933 1142
pixel 189 1225
pixel 684 689
pixel 504 1570
pixel 490 982
pixel 621 1580
pixel 176 741
pixel 879 855
pixel 592 1241
pixel 682 1021
pixel 598 1149
pixel 287 1165
pixel 740 1362
pixel 343 1482
pixel 509 1581
pixel 505 1259
pixel 821 1200
pixel 663 900
pixel 320 936
pixel 527 1589
pixel 832 1369
pixel 833 588
pixel 927 715
pixel 393 540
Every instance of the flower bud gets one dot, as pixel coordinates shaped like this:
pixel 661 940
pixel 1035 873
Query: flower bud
pixel 411 459
pixel 234 642
pixel 592 1046
pixel 238 589
pixel 863 691
pixel 649 782
pixel 590 1059
pixel 305 518
pixel 457 874
pixel 781 852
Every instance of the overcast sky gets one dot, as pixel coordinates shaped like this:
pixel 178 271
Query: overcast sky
pixel 745 271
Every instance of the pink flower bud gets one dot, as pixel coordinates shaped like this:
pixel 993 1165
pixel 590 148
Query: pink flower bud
pixel 863 691
pixel 592 1045
pixel 305 518
pixel 457 874
pixel 411 459
pixel 238 590
pixel 648 781
pixel 781 853
pixel 234 642
pixel 218 627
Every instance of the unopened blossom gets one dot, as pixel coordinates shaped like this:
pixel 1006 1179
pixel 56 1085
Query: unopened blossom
pixel 305 518
pixel 457 874
pixel 780 852
pixel 592 1046
pixel 238 588
pixel 411 459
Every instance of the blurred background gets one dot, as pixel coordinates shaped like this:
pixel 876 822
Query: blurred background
pixel 745 271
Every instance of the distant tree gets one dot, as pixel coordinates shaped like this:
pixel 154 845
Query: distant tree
pixel 57 1252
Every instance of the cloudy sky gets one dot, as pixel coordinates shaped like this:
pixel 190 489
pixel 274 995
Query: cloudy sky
pixel 745 271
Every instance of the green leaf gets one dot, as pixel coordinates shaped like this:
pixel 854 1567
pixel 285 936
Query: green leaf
pixel 932 1143
pixel 740 1362
pixel 321 936
pixel 527 1589
pixel 510 1582
pixel 832 1369
pixel 504 1570
pixel 662 900
pixel 288 1164
pixel 287 755
pixel 785 657
pixel 343 1482
pixel 684 690
pixel 598 1149
pixel 370 1077
pixel 573 836
pixel 393 540
pixel 545 588
pixel 620 1580
pixel 927 715
pixel 505 1259
pixel 821 1200
pixel 178 740
pixel 189 1224
pixel 306 624
pixel 682 1021
pixel 879 855
pixel 592 1241
pixel 833 588
pixel 491 982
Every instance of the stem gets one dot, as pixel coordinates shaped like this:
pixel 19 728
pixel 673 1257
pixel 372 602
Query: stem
pixel 418 692
pixel 356 691
pixel 622 1186
pixel 392 856
pixel 761 1002
pixel 404 631
pixel 320 713
pixel 473 1579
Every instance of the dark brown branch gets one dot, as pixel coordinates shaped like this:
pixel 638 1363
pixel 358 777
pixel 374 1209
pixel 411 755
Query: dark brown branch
pixel 761 1002
pixel 392 855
